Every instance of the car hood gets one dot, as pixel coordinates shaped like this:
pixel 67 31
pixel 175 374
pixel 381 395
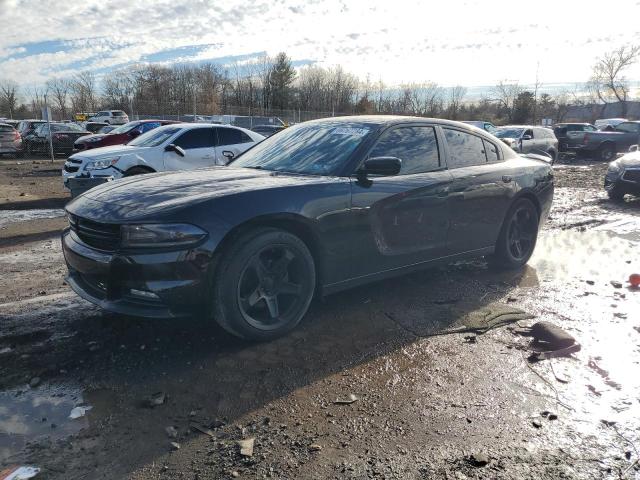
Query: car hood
pixel 109 151
pixel 631 159
pixel 138 196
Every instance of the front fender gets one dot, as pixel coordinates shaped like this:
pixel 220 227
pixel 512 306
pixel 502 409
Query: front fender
pixel 133 160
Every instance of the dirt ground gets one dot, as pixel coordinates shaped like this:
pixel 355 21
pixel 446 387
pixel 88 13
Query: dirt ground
pixel 428 403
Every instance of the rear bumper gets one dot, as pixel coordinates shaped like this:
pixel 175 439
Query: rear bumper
pixel 150 285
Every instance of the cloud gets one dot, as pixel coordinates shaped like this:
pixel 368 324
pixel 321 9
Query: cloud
pixel 453 42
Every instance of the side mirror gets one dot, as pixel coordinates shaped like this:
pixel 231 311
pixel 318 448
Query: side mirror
pixel 228 155
pixel 633 148
pixel 527 137
pixel 174 148
pixel 383 166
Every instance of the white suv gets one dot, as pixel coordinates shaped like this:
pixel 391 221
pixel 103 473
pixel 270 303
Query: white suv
pixel 112 117
pixel 182 146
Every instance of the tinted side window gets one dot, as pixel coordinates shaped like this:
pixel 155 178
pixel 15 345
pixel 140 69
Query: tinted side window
pixel 145 127
pixel 628 127
pixel 491 151
pixel 417 147
pixel 196 138
pixel 232 136
pixel 465 150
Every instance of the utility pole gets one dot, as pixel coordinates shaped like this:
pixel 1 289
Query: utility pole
pixel 194 102
pixel 48 114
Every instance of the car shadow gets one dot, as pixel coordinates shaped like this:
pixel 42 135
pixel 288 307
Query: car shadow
pixel 41 203
pixel 203 369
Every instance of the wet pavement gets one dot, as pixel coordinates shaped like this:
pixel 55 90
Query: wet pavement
pixel 429 404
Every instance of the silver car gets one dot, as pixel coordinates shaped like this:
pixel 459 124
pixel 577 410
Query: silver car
pixel 10 140
pixel 529 139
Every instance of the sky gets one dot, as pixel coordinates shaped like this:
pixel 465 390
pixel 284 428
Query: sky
pixel 452 42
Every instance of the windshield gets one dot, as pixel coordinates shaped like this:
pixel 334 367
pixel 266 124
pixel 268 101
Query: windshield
pixel 125 128
pixel 155 137
pixel 509 132
pixel 313 149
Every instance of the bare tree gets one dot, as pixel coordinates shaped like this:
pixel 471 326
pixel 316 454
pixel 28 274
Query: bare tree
pixel 505 94
pixel 83 92
pixel 456 95
pixel 8 96
pixel 608 81
pixel 59 89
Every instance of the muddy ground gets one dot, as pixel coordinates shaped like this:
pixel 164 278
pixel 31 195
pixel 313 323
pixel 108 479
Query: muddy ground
pixel 428 404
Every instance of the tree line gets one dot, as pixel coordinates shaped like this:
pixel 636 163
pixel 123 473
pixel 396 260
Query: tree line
pixel 270 85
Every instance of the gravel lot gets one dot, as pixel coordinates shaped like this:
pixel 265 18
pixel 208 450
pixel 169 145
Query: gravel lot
pixel 428 403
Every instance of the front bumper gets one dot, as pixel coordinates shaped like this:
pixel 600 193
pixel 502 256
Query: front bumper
pixel 627 180
pixel 77 171
pixel 151 285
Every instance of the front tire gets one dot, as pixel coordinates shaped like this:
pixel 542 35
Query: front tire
pixel 518 236
pixel 263 284
pixel 554 156
pixel 616 194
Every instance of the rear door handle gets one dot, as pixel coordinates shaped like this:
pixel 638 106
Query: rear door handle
pixel 506 179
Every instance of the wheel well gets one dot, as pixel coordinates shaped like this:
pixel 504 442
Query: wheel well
pixel 533 199
pixel 607 143
pixel 290 225
pixel 140 167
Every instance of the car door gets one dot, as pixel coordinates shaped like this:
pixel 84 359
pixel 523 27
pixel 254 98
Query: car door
pixel 630 135
pixel 199 146
pixel 401 220
pixel 231 143
pixel 479 193
pixel 527 141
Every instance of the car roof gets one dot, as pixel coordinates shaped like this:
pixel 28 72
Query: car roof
pixel 388 120
pixel 571 123
pixel 521 126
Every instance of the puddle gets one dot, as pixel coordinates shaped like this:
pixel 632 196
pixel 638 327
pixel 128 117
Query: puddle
pixel 28 415
pixel 594 253
pixel 13 216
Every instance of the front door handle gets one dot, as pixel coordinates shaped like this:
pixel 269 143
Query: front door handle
pixel 506 179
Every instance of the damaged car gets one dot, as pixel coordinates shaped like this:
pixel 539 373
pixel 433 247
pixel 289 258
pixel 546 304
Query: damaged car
pixel 623 175
pixel 320 207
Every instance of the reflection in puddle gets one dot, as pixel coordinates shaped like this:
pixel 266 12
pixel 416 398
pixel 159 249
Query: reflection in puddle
pixel 32 414
pixel 13 216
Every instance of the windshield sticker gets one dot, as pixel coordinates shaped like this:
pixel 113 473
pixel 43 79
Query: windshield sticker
pixel 355 132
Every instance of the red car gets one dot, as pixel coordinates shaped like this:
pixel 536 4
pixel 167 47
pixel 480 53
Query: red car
pixel 118 136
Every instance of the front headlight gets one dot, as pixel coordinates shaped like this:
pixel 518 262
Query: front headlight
pixel 101 164
pixel 614 167
pixel 93 139
pixel 161 235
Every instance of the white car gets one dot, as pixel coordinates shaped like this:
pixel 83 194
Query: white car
pixel 112 117
pixel 181 146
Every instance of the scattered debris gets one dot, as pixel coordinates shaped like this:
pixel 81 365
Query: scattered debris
pixel 79 411
pixel 156 399
pixel 346 401
pixel 202 429
pixel 19 473
pixel 616 284
pixel 314 447
pixel 171 432
pixel 175 446
pixel 479 459
pixel 590 282
pixel 246 447
pixel 634 280
pixel 553 340
pixel 536 423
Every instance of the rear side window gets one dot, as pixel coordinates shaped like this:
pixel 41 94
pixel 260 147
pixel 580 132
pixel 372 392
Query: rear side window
pixel 196 138
pixel 145 127
pixel 465 150
pixel 232 136
pixel 491 151
pixel 417 147
pixel 118 113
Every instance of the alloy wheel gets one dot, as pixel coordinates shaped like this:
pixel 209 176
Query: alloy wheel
pixel 273 287
pixel 522 233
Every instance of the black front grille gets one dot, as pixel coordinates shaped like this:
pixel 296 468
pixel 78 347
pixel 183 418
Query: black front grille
pixel 103 236
pixel 631 175
pixel 70 169
pixel 79 146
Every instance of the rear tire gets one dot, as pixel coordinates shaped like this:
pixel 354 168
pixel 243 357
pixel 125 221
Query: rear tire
pixel 518 236
pixel 263 284
pixel 554 156
pixel 607 152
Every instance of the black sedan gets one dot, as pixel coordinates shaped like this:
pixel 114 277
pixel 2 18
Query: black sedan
pixel 320 207
pixel 60 136
pixel 623 175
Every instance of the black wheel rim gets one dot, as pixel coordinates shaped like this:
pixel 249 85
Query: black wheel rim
pixel 274 287
pixel 522 233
